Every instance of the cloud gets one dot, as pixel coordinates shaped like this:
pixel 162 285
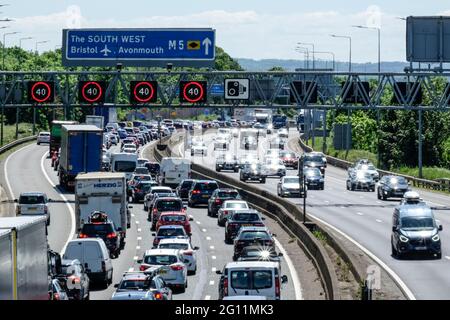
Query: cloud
pixel 252 34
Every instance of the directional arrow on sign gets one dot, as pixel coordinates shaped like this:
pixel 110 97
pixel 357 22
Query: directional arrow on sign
pixel 207 42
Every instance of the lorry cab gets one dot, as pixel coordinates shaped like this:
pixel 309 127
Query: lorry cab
pixel 414 228
pixel 124 162
pixel 251 278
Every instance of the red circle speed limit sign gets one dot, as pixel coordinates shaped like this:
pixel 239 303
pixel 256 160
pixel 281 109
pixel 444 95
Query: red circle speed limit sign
pixel 41 91
pixel 193 91
pixel 91 91
pixel 143 92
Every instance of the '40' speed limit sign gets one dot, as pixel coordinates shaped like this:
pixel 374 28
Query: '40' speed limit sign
pixel 41 91
pixel 193 91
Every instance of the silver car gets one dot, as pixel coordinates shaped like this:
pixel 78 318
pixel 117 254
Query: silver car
pixel 228 208
pixel 33 203
pixel 43 137
pixel 290 186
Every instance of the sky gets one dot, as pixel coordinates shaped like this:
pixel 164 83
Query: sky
pixel 258 29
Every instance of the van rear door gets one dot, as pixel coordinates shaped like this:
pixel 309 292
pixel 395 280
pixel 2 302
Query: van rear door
pixel 93 256
pixel 252 282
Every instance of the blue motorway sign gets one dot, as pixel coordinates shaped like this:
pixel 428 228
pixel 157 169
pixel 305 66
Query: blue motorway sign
pixel 139 47
pixel 217 89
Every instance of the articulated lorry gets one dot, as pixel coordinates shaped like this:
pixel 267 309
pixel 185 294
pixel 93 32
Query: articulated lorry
pixel 102 191
pixel 55 134
pixel 81 152
pixel 24 264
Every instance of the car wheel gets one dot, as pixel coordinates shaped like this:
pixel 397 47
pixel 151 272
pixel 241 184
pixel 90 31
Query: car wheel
pixel 352 187
pixel 263 180
pixel 38 143
pixel 439 255
pixel 88 297
pixel 236 170
pixel 145 208
pixel 394 252
pixel 378 195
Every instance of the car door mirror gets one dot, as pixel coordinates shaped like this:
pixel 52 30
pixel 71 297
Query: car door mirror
pixel 191 219
pixel 196 248
pixel 394 229
pixel 130 207
pixel 153 234
pixel 218 271
pixel 263 218
pixel 15 200
pixel 274 234
pixel 139 261
pixel 116 285
pixel 280 254
pixel 440 228
pixel 284 279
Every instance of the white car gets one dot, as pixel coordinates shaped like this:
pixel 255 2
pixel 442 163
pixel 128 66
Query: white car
pixel 154 190
pixel 129 150
pixel 33 204
pixel 129 146
pixel 43 137
pixel 186 249
pixel 221 142
pixel 290 186
pixel 227 209
pixel 274 167
pixel 173 268
pixel 199 149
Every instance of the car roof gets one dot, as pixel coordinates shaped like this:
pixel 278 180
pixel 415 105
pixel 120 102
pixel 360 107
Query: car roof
pixel 168 198
pixel 160 188
pixel 246 211
pixel 134 275
pixel 251 264
pixel 151 252
pixel 415 210
pixel 174 240
pixel 171 226
pixel 242 229
pixel 206 181
pixel 226 190
pixel 173 213
pixel 35 193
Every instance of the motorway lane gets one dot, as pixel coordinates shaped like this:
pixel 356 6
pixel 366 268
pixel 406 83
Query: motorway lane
pixel 367 220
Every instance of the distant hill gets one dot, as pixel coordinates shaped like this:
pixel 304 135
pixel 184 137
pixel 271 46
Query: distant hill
pixel 291 65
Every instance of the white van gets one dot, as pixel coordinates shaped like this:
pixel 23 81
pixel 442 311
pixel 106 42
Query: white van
pixel 124 162
pixel 94 256
pixel 251 278
pixel 174 170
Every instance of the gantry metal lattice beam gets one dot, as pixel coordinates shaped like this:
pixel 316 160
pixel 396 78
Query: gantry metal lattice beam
pixel 267 90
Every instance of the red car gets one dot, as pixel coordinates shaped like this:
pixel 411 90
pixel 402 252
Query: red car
pixel 175 218
pixel 290 159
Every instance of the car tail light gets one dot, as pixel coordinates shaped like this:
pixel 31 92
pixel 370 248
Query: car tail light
pixel 260 224
pixel 176 267
pixel 188 253
pixel 218 201
pixel 103 266
pixel 142 268
pixel 56 296
pixel 74 279
pixel 155 210
pixel 195 191
pixel 158 296
pixel 225 287
pixel 233 225
pixel 137 190
pixel 82 235
pixel 226 212
pixel 277 286
pixel 111 235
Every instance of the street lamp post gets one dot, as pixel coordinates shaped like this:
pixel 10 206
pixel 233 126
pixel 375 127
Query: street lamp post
pixel 330 53
pixel 313 57
pixel 22 39
pixel 4 46
pixel 379 43
pixel 350 49
pixel 306 50
pixel 40 42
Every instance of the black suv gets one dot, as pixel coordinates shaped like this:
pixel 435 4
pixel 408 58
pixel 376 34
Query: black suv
pixel 241 218
pixel 183 188
pixel 218 197
pixel 392 186
pixel 75 278
pixel 315 161
pixel 141 189
pixel 98 226
pixel 201 192
pixel 253 172
pixel 227 162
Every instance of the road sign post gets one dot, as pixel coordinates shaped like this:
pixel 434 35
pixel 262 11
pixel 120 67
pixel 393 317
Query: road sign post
pixel 139 47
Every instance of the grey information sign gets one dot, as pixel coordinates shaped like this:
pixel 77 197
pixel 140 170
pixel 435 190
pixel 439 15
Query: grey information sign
pixel 428 39
pixel 139 47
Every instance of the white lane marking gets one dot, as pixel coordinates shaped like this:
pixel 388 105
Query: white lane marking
pixel 214 269
pixel 207 297
pixel 342 207
pixel 447 257
pixel 137 222
pixel 135 258
pixel 213 257
pixel 326 201
pixel 131 270
pixel 133 215
pixel 293 272
pixel 139 238
pixel 198 222
pixel 139 230
pixel 379 202
pixel 6 170
pixel 211 247
pixel 138 248
pixel 378 220
pixel 391 272
pixel 211 283
pixel 312 197
pixel 360 213
pixel 203 230
pixel 72 212
pixel 208 238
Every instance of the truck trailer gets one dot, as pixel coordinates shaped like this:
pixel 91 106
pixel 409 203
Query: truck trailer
pixel 55 134
pixel 81 152
pixel 24 265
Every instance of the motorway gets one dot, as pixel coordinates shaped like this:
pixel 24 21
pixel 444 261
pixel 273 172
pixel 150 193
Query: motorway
pixel 29 169
pixel 364 220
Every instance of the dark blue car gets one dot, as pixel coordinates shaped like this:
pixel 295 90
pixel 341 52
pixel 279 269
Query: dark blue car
pixel 201 191
pixel 122 133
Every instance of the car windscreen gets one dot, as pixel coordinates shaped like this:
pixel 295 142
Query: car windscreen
pixel 162 260
pixel 313 159
pixel 144 186
pixel 169 205
pixel 236 205
pixel 249 235
pixel 224 194
pixel 291 180
pixel 173 218
pixel 134 284
pixel 187 184
pixel 124 166
pixel 287 154
pixel 417 223
pixel 177 246
pixel 96 229
pixel 207 186
pixel 313 172
pixel 246 217
pixel 397 181
pixel 31 200
pixel 171 232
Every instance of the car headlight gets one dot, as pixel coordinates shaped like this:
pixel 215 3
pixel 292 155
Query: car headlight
pixel 435 237
pixel 403 238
